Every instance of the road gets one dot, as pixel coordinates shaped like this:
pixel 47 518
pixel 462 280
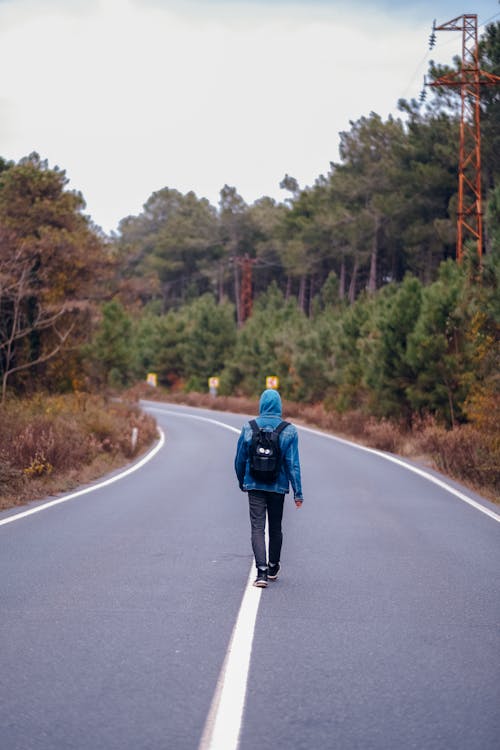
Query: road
pixel 118 607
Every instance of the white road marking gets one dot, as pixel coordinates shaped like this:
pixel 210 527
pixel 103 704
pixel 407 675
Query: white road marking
pixel 173 413
pixel 409 467
pixel 223 724
pixel 64 499
pixel 388 457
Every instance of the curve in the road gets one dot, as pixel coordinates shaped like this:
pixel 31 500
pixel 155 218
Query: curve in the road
pixel 223 725
pixel 110 480
pixel 415 469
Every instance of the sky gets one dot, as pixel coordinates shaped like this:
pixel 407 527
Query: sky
pixel 130 96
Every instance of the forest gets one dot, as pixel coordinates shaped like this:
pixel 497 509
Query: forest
pixel 348 290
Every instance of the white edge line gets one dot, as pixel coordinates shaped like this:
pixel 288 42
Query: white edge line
pixel 375 452
pixel 409 467
pixel 193 416
pixel 223 725
pixel 144 460
pixel 224 721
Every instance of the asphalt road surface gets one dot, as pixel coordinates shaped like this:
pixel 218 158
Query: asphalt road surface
pixel 382 632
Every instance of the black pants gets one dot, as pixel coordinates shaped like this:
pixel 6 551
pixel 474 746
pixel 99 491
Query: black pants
pixel 261 502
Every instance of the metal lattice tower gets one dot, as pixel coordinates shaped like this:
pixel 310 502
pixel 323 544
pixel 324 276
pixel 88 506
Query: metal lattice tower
pixel 469 80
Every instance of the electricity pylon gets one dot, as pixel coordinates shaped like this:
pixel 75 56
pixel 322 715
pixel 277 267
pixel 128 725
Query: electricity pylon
pixel 469 79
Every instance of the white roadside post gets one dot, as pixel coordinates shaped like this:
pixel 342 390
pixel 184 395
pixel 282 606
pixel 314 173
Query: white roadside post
pixel 133 439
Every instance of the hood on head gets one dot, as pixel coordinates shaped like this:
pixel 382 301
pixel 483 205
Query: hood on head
pixel 270 403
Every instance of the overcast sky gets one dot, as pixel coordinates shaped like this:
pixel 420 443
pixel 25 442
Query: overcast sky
pixel 129 96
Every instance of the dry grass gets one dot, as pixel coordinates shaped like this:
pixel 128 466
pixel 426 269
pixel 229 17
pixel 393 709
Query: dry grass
pixel 51 444
pixel 467 453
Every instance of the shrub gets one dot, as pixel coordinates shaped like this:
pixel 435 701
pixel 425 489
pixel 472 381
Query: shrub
pixel 10 476
pixel 466 453
pixel 383 434
pixel 47 440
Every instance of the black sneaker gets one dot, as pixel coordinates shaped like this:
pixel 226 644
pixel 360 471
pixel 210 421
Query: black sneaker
pixel 272 571
pixel 261 580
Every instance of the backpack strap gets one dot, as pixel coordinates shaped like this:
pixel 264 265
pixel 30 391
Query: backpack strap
pixel 255 427
pixel 281 427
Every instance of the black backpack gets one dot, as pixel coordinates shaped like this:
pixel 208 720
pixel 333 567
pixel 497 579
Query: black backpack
pixel 265 453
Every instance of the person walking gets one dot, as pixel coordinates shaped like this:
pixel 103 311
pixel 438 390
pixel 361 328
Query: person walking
pixel 266 463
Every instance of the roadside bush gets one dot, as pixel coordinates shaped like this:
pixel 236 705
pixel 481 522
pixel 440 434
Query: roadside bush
pixel 11 479
pixel 383 434
pixel 52 443
pixel 465 453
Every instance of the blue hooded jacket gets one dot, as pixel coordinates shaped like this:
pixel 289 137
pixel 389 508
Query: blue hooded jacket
pixel 270 416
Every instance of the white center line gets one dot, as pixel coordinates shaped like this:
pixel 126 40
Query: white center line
pixel 224 721
pixel 225 718
pixel 223 724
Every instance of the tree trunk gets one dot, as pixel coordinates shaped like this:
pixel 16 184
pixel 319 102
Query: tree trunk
pixel 342 280
pixel 42 358
pixel 452 410
pixel 372 281
pixel 352 285
pixel 302 293
pixel 165 293
pixel 221 283
pixel 4 387
pixel 237 293
pixel 311 297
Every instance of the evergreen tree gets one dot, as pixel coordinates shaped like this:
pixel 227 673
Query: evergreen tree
pixel 437 349
pixel 110 356
pixel 210 336
pixel 387 370
pixel 266 345
pixel 169 245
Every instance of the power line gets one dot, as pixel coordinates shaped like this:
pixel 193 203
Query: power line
pixel 435 46
pixel 488 20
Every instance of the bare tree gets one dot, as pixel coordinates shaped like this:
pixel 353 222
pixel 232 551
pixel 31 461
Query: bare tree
pixel 24 313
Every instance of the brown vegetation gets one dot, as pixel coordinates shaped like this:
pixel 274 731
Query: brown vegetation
pixel 50 444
